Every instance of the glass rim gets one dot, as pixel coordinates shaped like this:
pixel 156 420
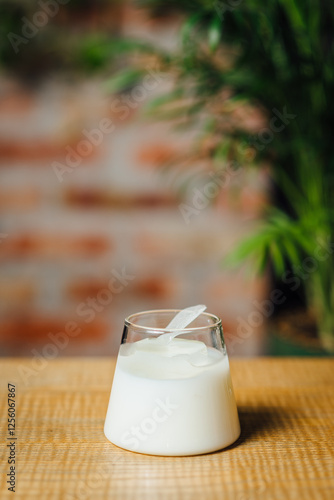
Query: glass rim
pixel 129 323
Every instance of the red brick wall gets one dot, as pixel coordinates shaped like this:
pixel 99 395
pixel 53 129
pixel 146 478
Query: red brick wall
pixel 63 235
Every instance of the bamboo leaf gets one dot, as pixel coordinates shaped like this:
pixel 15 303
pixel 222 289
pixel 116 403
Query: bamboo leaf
pixel 277 258
pixel 188 27
pixel 124 80
pixel 214 34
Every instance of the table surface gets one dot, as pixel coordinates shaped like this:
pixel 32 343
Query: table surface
pixel 285 450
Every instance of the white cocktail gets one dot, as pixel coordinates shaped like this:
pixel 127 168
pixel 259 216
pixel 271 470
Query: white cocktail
pixel 173 398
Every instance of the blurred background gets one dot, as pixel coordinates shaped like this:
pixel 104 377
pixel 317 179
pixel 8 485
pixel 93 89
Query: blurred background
pixel 139 150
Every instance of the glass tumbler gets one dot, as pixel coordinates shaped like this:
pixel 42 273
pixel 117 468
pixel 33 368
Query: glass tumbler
pixel 172 396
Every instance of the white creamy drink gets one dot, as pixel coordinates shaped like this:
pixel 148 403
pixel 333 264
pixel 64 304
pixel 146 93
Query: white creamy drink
pixel 172 399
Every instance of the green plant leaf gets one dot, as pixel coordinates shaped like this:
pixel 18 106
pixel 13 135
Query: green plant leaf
pixel 214 34
pixel 124 80
pixel 277 258
pixel 188 27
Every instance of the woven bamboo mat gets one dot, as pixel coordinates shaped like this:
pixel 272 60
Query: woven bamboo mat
pixel 285 451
